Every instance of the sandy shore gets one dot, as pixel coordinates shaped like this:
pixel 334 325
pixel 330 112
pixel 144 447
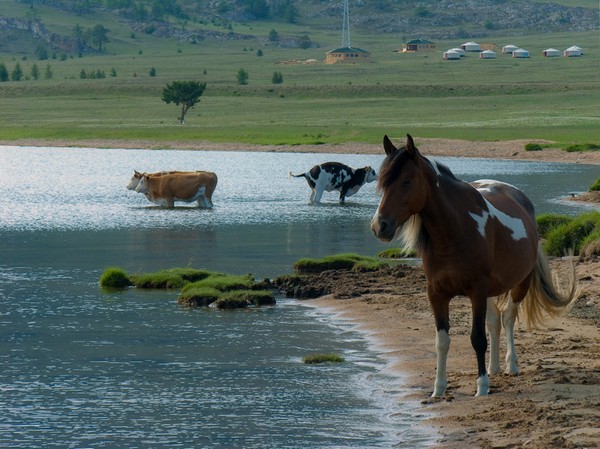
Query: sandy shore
pixel 510 149
pixel 553 403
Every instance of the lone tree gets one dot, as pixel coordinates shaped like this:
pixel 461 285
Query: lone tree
pixel 184 93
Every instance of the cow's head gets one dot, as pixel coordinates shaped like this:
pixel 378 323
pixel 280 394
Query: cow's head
pixel 371 174
pixel 135 180
pixel 142 186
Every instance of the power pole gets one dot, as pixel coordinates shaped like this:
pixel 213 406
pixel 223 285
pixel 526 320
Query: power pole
pixel 346 27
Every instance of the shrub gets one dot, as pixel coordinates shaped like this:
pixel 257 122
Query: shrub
pixel 242 77
pixel 114 277
pixel 595 187
pixel 548 222
pixel 582 147
pixel 533 147
pixel 323 358
pixel 277 78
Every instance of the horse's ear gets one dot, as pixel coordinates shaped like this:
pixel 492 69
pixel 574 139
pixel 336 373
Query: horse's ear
pixel 388 146
pixel 410 146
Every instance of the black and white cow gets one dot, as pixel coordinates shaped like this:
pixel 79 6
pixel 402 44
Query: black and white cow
pixel 336 176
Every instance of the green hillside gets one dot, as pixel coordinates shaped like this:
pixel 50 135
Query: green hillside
pixel 75 85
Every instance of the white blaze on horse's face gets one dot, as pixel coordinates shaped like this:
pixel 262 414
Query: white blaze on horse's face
pixel 142 186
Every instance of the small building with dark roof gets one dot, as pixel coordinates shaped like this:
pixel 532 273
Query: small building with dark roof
pixel 417 45
pixel 347 54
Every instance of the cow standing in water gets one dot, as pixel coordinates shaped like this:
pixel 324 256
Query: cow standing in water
pixel 336 176
pixel 165 188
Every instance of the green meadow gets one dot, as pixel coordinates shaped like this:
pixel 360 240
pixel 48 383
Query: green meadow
pixel 556 99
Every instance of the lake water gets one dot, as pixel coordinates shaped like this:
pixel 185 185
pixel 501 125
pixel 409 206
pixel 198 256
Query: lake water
pixel 83 368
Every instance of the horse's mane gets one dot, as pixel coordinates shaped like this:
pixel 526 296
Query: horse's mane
pixel 411 232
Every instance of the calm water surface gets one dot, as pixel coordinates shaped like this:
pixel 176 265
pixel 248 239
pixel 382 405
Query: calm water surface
pixel 83 368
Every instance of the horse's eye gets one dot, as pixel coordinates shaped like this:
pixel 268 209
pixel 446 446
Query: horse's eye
pixel 406 182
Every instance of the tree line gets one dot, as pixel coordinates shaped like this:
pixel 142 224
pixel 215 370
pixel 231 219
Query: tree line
pixel 18 74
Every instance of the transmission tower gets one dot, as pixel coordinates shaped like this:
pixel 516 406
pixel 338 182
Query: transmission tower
pixel 346 27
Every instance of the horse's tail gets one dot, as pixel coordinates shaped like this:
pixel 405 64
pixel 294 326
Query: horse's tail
pixel 301 175
pixel 543 295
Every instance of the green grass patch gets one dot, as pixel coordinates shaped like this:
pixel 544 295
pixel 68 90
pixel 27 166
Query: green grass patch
pixel 344 261
pixel 576 234
pixel 396 253
pixel 199 296
pixel 115 278
pixel 595 187
pixel 223 282
pixel 198 287
pixel 322 358
pixel 244 298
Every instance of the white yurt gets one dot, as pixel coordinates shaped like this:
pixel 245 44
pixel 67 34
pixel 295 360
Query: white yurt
pixel 451 55
pixel 573 51
pixel 508 49
pixel 551 52
pixel 471 46
pixel 520 53
pixel 487 54
pixel 458 50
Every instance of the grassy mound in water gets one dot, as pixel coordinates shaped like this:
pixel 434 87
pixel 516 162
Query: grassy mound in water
pixel 114 278
pixel 344 261
pixel 171 278
pixel 199 288
pixel 322 358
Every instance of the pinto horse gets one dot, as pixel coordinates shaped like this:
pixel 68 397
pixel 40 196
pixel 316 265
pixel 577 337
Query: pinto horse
pixel 475 239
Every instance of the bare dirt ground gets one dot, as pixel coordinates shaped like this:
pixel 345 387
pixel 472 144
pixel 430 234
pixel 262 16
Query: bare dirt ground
pixel 553 403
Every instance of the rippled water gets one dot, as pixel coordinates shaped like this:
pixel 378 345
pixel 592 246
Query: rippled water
pixel 84 368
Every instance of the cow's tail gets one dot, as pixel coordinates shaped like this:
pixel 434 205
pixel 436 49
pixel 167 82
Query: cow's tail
pixel 301 175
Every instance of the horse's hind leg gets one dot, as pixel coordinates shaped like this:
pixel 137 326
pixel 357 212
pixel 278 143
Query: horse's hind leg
pixel 509 317
pixel 508 322
pixel 494 326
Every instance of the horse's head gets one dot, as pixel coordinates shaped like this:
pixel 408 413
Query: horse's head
pixel 404 182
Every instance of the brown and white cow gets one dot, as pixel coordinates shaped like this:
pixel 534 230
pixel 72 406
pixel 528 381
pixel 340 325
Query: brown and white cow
pixel 167 187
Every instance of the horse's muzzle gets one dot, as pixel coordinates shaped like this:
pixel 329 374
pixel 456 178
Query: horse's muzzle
pixel 383 228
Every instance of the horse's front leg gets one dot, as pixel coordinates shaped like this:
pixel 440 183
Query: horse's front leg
pixel 479 342
pixel 441 312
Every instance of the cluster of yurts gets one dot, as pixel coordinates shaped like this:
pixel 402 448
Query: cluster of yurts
pixel 512 50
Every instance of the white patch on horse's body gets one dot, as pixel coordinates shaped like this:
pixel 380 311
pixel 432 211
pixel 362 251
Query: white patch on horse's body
pixel 480 221
pixel 487 184
pixel 515 225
